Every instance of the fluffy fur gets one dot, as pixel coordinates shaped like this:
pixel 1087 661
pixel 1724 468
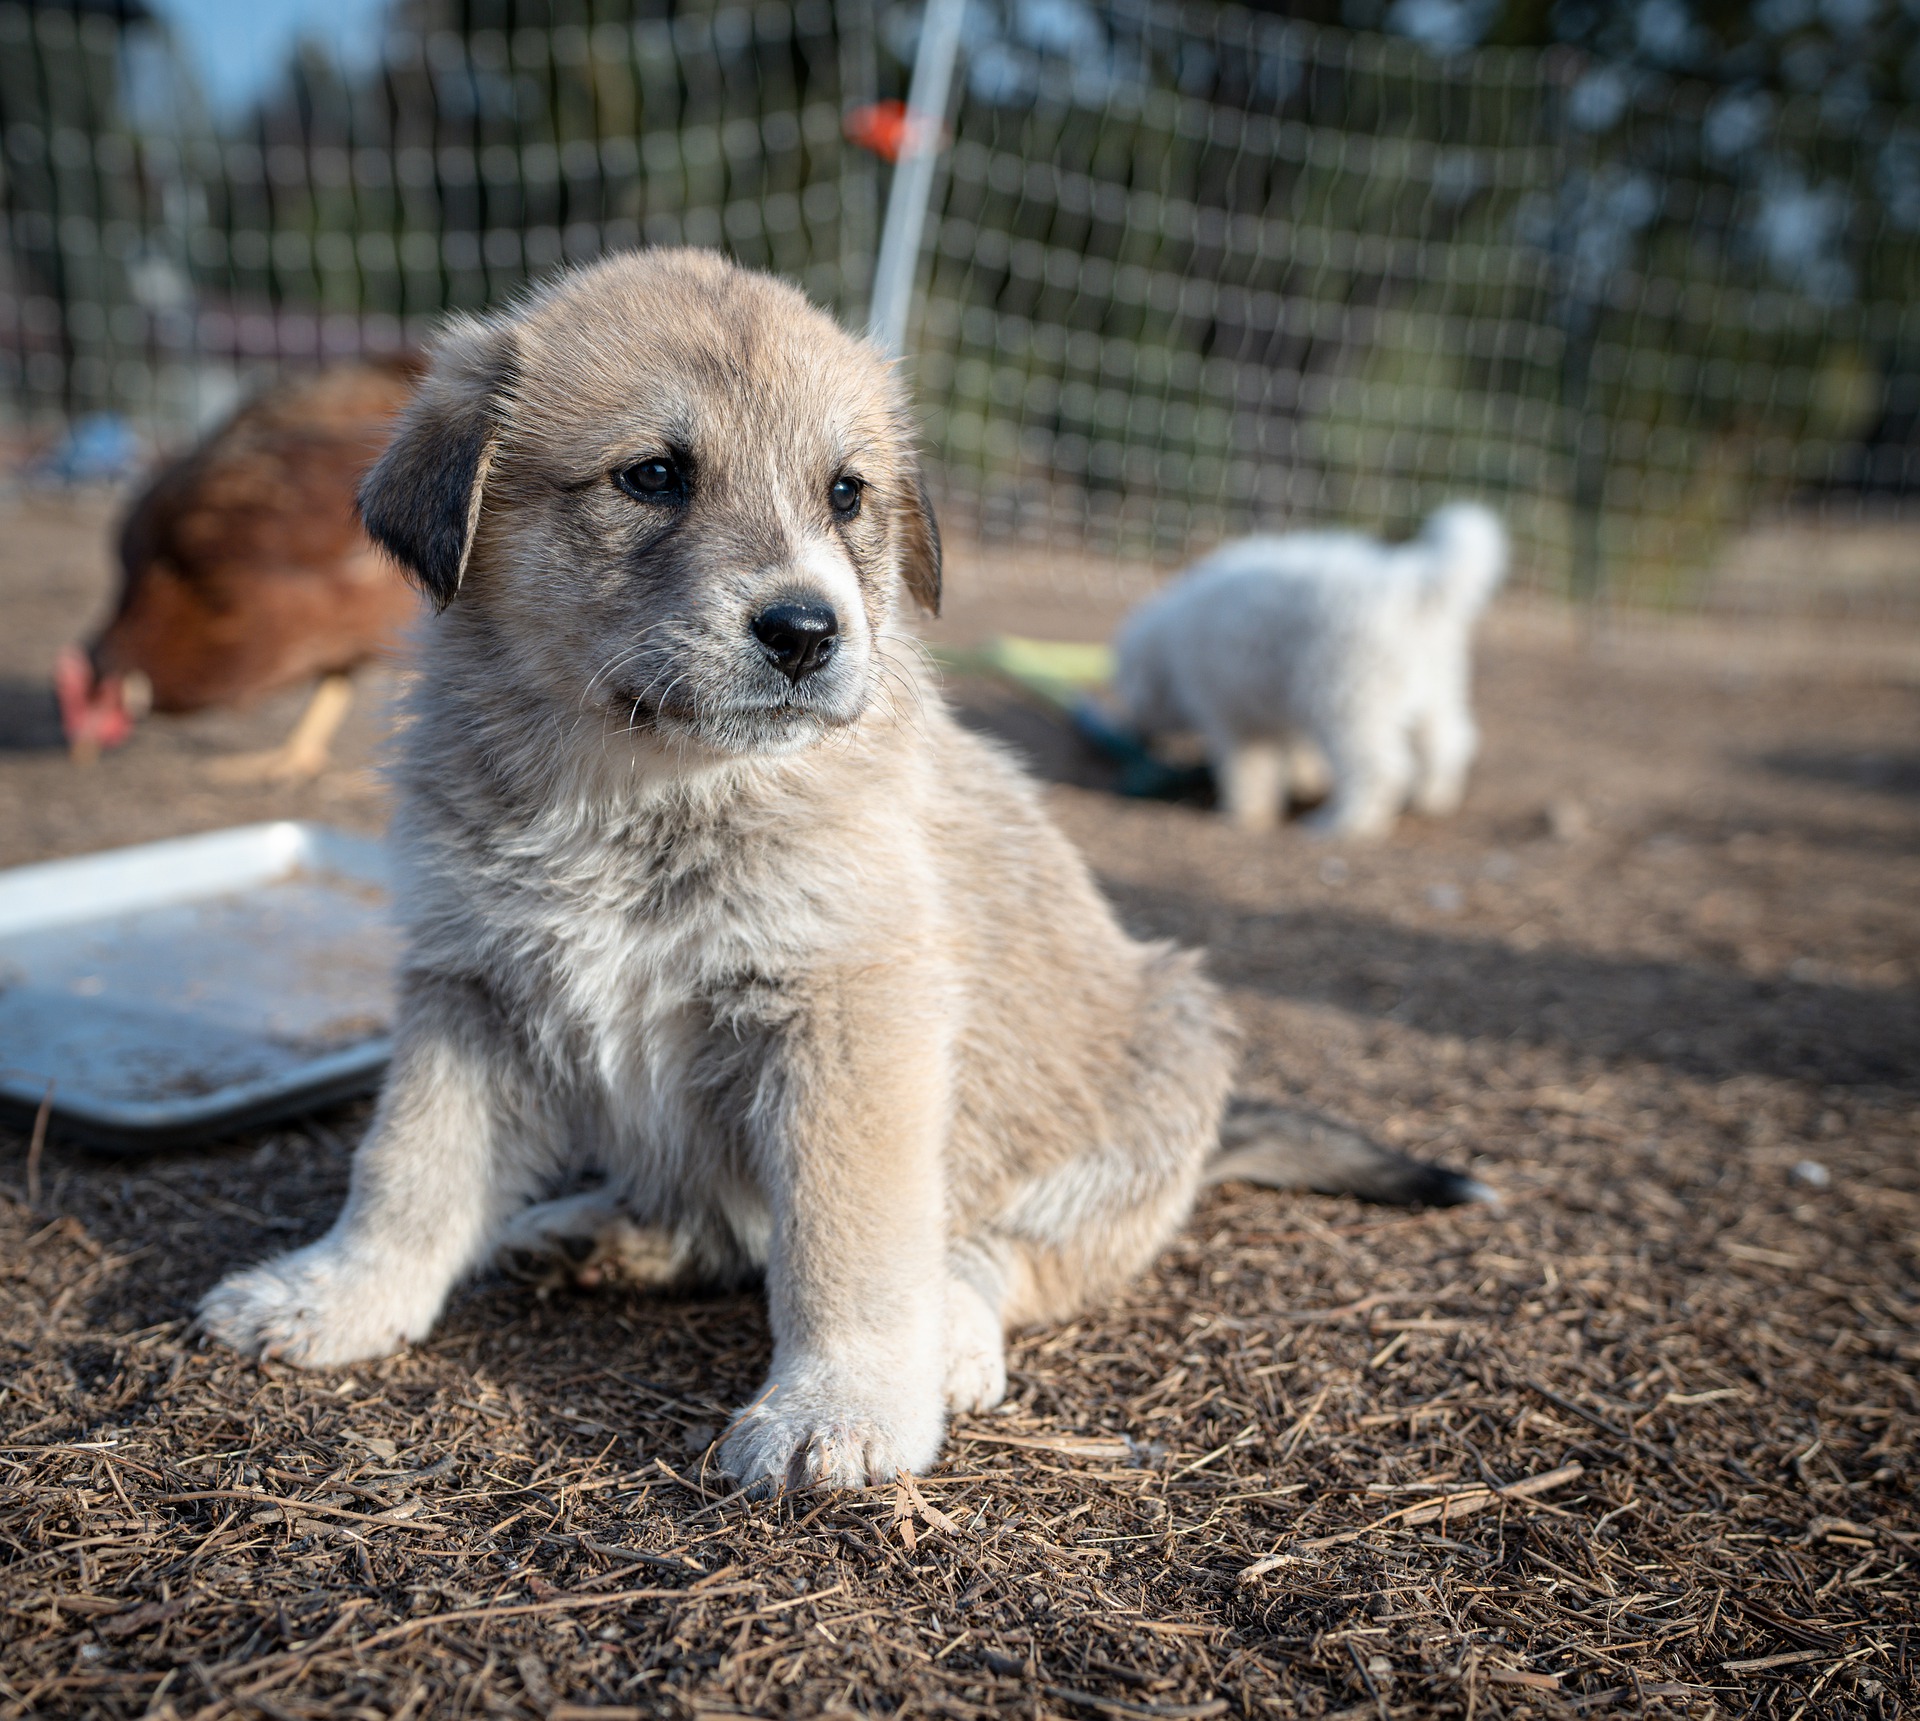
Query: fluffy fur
pixel 800 969
pixel 1323 660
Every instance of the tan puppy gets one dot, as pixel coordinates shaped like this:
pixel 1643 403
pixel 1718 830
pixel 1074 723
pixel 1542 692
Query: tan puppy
pixel 707 891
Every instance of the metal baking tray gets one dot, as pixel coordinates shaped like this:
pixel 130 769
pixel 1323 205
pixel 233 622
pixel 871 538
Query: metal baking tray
pixel 181 990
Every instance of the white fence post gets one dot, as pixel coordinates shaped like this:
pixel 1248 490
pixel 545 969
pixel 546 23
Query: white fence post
pixel 898 263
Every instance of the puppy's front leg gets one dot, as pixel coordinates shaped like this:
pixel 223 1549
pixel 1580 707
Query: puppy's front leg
pixel 851 1160
pixel 453 1150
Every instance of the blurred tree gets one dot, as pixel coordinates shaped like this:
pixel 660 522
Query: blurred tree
pixel 1797 126
pixel 492 139
pixel 74 200
pixel 1655 267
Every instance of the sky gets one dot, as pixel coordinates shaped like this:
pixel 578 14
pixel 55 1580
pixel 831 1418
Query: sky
pixel 237 46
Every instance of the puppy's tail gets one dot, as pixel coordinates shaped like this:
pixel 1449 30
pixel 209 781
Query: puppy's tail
pixel 1286 1148
pixel 1467 549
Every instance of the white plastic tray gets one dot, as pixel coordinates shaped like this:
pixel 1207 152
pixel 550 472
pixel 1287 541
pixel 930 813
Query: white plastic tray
pixel 179 990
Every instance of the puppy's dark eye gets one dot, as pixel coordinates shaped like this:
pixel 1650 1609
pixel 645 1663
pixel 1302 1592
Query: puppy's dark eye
pixel 656 480
pixel 844 497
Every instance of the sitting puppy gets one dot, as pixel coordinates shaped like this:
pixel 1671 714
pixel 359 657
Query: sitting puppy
pixel 1322 653
pixel 706 890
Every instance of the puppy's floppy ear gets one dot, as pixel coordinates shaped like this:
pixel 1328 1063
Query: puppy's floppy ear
pixel 420 502
pixel 920 545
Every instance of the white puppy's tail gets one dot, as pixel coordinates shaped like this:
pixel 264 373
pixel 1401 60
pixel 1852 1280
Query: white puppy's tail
pixel 1467 549
pixel 1286 1148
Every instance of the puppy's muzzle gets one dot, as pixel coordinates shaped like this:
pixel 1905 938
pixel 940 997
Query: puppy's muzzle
pixel 799 639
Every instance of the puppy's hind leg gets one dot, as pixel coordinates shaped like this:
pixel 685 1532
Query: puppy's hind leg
pixel 1372 764
pixel 975 1338
pixel 1252 780
pixel 1445 741
pixel 1309 776
pixel 1074 1235
pixel 455 1148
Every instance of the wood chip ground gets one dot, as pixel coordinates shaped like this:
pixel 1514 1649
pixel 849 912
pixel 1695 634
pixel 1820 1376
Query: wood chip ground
pixel 1642 1443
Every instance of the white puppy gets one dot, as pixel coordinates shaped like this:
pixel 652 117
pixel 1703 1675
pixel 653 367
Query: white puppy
pixel 1296 655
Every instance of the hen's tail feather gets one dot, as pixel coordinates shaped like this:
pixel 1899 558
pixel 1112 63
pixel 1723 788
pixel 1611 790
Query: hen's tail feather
pixel 1284 1147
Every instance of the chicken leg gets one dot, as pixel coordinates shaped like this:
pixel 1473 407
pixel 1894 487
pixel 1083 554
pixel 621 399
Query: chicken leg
pixel 304 754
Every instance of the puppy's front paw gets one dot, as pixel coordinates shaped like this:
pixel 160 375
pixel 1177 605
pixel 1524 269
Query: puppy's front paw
pixel 312 1308
pixel 816 1437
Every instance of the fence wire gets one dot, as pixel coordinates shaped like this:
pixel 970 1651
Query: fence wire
pixel 157 261
pixel 1189 270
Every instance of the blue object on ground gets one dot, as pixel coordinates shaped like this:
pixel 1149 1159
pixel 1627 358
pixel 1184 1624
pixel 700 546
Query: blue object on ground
pixel 1142 775
pixel 98 447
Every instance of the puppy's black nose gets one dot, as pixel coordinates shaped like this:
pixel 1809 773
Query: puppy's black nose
pixel 797 638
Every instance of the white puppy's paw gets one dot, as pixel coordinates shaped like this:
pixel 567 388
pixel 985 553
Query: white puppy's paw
pixel 1331 822
pixel 1438 800
pixel 817 1437
pixel 976 1352
pixel 312 1308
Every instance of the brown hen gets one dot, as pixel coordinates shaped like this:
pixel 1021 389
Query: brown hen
pixel 244 570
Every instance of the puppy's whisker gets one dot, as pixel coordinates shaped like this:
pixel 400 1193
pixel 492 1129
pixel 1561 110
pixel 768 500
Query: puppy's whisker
pixel 912 647
pixel 619 661
pixel 912 712
pixel 660 700
pixel 625 655
pixel 900 676
pixel 890 644
pixel 608 668
pixel 898 712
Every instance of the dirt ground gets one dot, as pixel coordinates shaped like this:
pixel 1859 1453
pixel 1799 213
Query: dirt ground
pixel 1642 1442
